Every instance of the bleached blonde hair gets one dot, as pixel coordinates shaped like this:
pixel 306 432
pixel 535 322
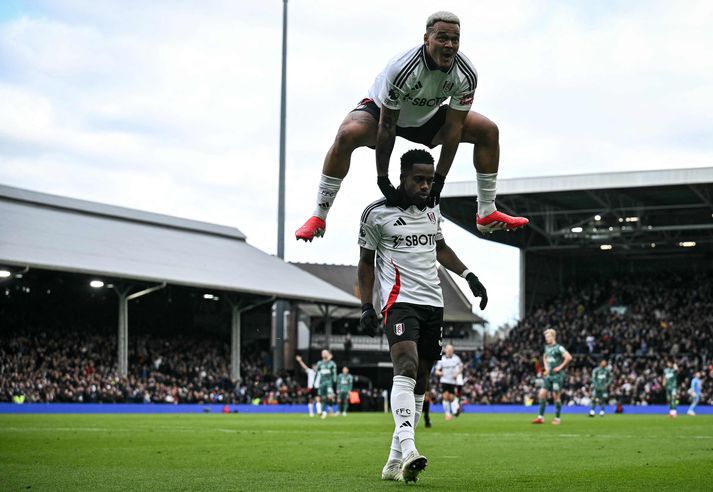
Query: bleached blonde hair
pixel 441 16
pixel 550 330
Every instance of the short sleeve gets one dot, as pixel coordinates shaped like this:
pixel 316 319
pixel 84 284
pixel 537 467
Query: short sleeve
pixel 462 99
pixel 391 95
pixel 439 232
pixel 369 234
pixel 562 350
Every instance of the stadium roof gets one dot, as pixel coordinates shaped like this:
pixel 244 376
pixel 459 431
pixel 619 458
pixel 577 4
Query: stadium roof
pixel 57 233
pixel 639 213
pixel 457 309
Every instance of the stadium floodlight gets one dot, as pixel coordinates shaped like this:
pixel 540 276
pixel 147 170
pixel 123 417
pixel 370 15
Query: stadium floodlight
pixel 96 284
pixel 632 219
pixel 605 247
pixel 653 245
pixel 597 217
pixel 208 296
pixel 577 229
pixel 5 273
pixel 687 244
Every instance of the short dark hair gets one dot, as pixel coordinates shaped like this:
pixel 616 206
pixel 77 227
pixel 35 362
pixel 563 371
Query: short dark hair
pixel 415 156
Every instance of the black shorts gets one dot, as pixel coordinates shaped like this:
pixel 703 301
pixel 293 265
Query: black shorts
pixel 423 134
pixel 420 324
pixel 453 389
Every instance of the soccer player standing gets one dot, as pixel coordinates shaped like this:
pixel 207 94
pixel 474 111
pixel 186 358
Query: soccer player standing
pixel 695 392
pixel 408 99
pixel 671 385
pixel 312 382
pixel 345 382
pixel 327 371
pixel 449 368
pixel 601 379
pixel 555 359
pixel 400 248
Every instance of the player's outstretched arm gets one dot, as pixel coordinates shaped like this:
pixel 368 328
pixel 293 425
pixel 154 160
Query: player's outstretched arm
pixel 447 257
pixel 301 363
pixel 385 138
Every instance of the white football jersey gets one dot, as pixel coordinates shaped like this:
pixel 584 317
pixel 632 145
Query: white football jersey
pixel 449 367
pixel 409 85
pixel 405 243
pixel 312 378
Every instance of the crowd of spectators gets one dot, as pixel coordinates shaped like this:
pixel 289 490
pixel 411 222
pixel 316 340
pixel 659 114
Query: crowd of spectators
pixel 80 366
pixel 635 323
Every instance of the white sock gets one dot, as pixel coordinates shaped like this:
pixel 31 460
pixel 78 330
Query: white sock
pixel 487 188
pixel 403 408
pixel 446 407
pixel 326 193
pixel 454 405
pixel 418 399
pixel 318 406
pixel 309 408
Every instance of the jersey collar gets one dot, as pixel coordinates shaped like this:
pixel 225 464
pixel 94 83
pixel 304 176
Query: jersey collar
pixel 431 65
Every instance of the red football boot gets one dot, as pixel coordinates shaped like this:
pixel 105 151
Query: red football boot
pixel 314 227
pixel 498 221
pixel 538 420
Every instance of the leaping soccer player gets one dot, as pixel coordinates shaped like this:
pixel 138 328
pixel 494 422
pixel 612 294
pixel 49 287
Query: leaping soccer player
pixel 695 392
pixel 345 382
pixel 327 371
pixel 671 384
pixel 408 99
pixel 601 379
pixel 400 247
pixel 555 359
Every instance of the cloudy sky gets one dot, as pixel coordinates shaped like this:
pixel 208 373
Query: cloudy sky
pixel 173 106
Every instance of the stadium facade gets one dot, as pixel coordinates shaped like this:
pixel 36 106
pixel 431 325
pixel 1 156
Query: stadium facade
pixel 49 241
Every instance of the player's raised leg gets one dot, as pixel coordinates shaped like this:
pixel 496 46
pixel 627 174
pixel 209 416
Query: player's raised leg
pixel 357 130
pixel 485 135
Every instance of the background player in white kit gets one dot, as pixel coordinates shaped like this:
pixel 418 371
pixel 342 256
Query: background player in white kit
pixel 312 385
pixel 449 369
pixel 408 100
pixel 401 247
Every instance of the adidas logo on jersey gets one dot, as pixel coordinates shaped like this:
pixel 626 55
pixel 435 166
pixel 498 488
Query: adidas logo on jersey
pixel 400 221
pixel 406 424
pixel 418 86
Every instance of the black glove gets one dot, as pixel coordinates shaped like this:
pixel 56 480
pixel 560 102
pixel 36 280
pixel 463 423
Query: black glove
pixel 369 321
pixel 478 289
pixel 435 197
pixel 388 190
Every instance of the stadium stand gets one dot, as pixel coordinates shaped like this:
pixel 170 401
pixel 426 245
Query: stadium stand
pixel 636 323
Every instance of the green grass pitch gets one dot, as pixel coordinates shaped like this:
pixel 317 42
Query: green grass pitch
pixel 294 452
